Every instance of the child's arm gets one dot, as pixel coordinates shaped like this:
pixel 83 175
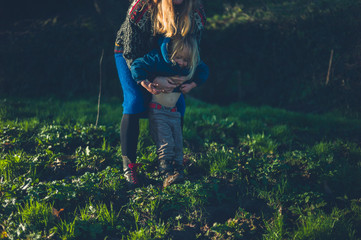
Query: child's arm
pixel 142 67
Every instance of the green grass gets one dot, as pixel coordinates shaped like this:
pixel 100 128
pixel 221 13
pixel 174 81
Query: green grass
pixel 37 216
pixel 271 11
pixel 253 173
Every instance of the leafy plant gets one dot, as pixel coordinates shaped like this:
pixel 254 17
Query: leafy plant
pixel 217 130
pixel 242 226
pixel 218 161
pixel 259 144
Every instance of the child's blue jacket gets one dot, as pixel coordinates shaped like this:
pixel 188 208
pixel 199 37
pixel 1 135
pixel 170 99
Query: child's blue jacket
pixel 156 63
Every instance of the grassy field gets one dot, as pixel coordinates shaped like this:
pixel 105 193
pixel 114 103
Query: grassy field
pixel 253 173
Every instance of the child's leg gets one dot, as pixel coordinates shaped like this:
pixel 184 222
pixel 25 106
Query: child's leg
pixel 162 136
pixel 177 175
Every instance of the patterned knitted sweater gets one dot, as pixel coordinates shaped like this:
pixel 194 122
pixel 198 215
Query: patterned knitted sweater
pixel 135 37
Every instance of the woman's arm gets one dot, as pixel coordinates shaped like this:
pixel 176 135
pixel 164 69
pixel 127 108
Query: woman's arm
pixel 187 87
pixel 202 71
pixel 200 19
pixel 200 76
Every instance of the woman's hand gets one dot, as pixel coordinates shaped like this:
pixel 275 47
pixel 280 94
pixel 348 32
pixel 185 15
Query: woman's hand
pixel 151 87
pixel 164 84
pixel 186 88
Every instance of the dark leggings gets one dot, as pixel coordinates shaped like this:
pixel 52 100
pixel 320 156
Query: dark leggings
pixel 129 133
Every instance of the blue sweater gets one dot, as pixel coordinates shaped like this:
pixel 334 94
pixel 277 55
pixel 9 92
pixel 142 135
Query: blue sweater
pixel 156 63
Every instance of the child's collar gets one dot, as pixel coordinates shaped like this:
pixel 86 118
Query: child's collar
pixel 163 43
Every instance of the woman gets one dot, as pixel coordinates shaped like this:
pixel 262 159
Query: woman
pixel 145 22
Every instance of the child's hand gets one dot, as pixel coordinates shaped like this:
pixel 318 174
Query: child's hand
pixel 186 88
pixel 164 84
pixel 178 80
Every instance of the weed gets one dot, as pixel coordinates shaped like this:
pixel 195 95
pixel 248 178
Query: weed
pixel 217 130
pixel 325 226
pixel 259 144
pixel 275 229
pixel 218 161
pixel 14 164
pixel 152 231
pixel 91 159
pixel 242 226
pixel 38 216
pixel 66 230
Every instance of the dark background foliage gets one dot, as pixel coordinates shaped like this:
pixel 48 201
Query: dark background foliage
pixel 260 52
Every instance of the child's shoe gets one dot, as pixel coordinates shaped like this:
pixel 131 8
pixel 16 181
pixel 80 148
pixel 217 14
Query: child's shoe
pixel 170 179
pixel 179 176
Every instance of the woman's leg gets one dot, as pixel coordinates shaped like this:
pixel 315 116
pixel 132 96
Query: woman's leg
pixel 133 94
pixel 129 132
pixel 133 107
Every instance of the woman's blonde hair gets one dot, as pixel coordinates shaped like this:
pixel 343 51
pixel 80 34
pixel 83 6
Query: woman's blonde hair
pixel 168 23
pixel 189 45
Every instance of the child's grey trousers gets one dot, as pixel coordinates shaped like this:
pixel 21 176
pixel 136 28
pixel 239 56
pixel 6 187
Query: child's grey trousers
pixel 165 128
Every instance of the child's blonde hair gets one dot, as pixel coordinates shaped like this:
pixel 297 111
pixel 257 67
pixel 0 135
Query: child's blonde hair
pixel 167 23
pixel 189 44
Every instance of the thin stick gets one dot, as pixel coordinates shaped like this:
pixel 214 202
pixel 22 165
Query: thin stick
pixel 100 85
pixel 329 68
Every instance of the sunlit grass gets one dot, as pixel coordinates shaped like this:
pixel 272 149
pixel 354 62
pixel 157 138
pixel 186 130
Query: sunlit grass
pixel 14 164
pixel 82 111
pixel 272 11
pixel 37 216
pixel 252 173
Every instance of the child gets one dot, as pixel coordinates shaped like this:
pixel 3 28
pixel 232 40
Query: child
pixel 177 56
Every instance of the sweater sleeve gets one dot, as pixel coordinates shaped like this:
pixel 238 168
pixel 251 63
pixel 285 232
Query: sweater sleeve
pixel 200 19
pixel 135 35
pixel 201 74
pixel 144 67
pixel 132 43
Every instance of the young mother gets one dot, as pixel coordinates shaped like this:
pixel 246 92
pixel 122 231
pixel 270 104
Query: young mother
pixel 145 22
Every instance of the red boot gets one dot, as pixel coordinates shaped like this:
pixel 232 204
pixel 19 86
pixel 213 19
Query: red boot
pixel 132 175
